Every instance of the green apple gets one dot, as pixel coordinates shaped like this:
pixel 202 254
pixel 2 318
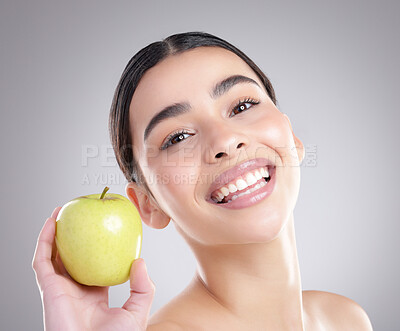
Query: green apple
pixel 98 236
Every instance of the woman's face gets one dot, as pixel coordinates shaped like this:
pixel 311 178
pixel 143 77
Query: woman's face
pixel 218 135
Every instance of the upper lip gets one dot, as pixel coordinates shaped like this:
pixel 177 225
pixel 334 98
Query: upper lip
pixel 238 170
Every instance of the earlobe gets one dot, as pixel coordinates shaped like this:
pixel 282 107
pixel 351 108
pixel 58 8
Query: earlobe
pixel 297 141
pixel 149 211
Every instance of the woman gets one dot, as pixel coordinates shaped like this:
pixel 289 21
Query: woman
pixel 197 133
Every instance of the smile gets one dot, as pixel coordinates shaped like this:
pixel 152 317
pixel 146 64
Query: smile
pixel 243 185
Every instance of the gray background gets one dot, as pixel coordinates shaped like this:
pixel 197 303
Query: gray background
pixel 335 70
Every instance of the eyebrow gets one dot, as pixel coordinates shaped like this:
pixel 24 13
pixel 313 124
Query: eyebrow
pixel 177 109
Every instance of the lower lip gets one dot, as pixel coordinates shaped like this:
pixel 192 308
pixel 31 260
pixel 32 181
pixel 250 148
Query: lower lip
pixel 253 198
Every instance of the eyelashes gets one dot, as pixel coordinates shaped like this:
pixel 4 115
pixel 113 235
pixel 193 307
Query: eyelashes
pixel 241 104
pixel 172 137
pixel 179 136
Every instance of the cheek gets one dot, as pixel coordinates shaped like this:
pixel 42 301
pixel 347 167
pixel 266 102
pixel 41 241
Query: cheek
pixel 275 133
pixel 179 201
pixel 175 186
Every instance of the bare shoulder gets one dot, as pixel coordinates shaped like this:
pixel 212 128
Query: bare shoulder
pixel 334 311
pixel 173 315
pixel 164 326
pixel 166 319
pixel 189 310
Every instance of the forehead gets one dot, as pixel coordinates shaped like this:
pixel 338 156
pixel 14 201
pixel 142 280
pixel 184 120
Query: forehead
pixel 188 76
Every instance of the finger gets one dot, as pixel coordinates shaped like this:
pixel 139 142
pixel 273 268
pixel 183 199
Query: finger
pixel 42 258
pixel 55 212
pixel 54 215
pixel 142 292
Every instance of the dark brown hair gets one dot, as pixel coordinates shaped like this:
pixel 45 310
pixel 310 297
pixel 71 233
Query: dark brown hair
pixel 143 60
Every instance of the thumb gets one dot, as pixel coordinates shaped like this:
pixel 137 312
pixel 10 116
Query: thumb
pixel 142 293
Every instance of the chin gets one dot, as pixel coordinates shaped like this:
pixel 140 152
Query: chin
pixel 265 228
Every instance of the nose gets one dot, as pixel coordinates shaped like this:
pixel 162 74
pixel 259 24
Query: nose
pixel 225 143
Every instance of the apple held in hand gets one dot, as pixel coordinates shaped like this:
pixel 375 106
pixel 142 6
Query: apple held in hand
pixel 98 236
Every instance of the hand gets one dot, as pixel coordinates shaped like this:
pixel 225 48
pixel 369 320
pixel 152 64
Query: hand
pixel 68 305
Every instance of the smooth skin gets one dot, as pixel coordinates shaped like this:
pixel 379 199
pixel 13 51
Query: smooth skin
pixel 248 275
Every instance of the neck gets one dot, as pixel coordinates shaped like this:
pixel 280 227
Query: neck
pixel 255 282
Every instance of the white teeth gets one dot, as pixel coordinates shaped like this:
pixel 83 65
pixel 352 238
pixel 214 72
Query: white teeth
pixel 258 186
pixel 257 174
pixel 241 184
pixel 264 172
pixel 234 197
pixel 224 191
pixel 250 179
pixel 232 188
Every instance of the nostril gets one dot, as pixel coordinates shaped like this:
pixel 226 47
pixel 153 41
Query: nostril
pixel 220 154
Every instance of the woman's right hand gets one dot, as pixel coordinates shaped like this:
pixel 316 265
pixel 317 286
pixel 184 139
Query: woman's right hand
pixel 68 305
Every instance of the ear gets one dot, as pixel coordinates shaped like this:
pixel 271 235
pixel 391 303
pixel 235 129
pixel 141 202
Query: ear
pixel 150 213
pixel 297 141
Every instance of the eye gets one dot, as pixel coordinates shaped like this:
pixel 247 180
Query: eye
pixel 181 135
pixel 174 138
pixel 243 105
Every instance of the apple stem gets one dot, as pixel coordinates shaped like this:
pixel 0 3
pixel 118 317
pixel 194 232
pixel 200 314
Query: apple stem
pixel 104 192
